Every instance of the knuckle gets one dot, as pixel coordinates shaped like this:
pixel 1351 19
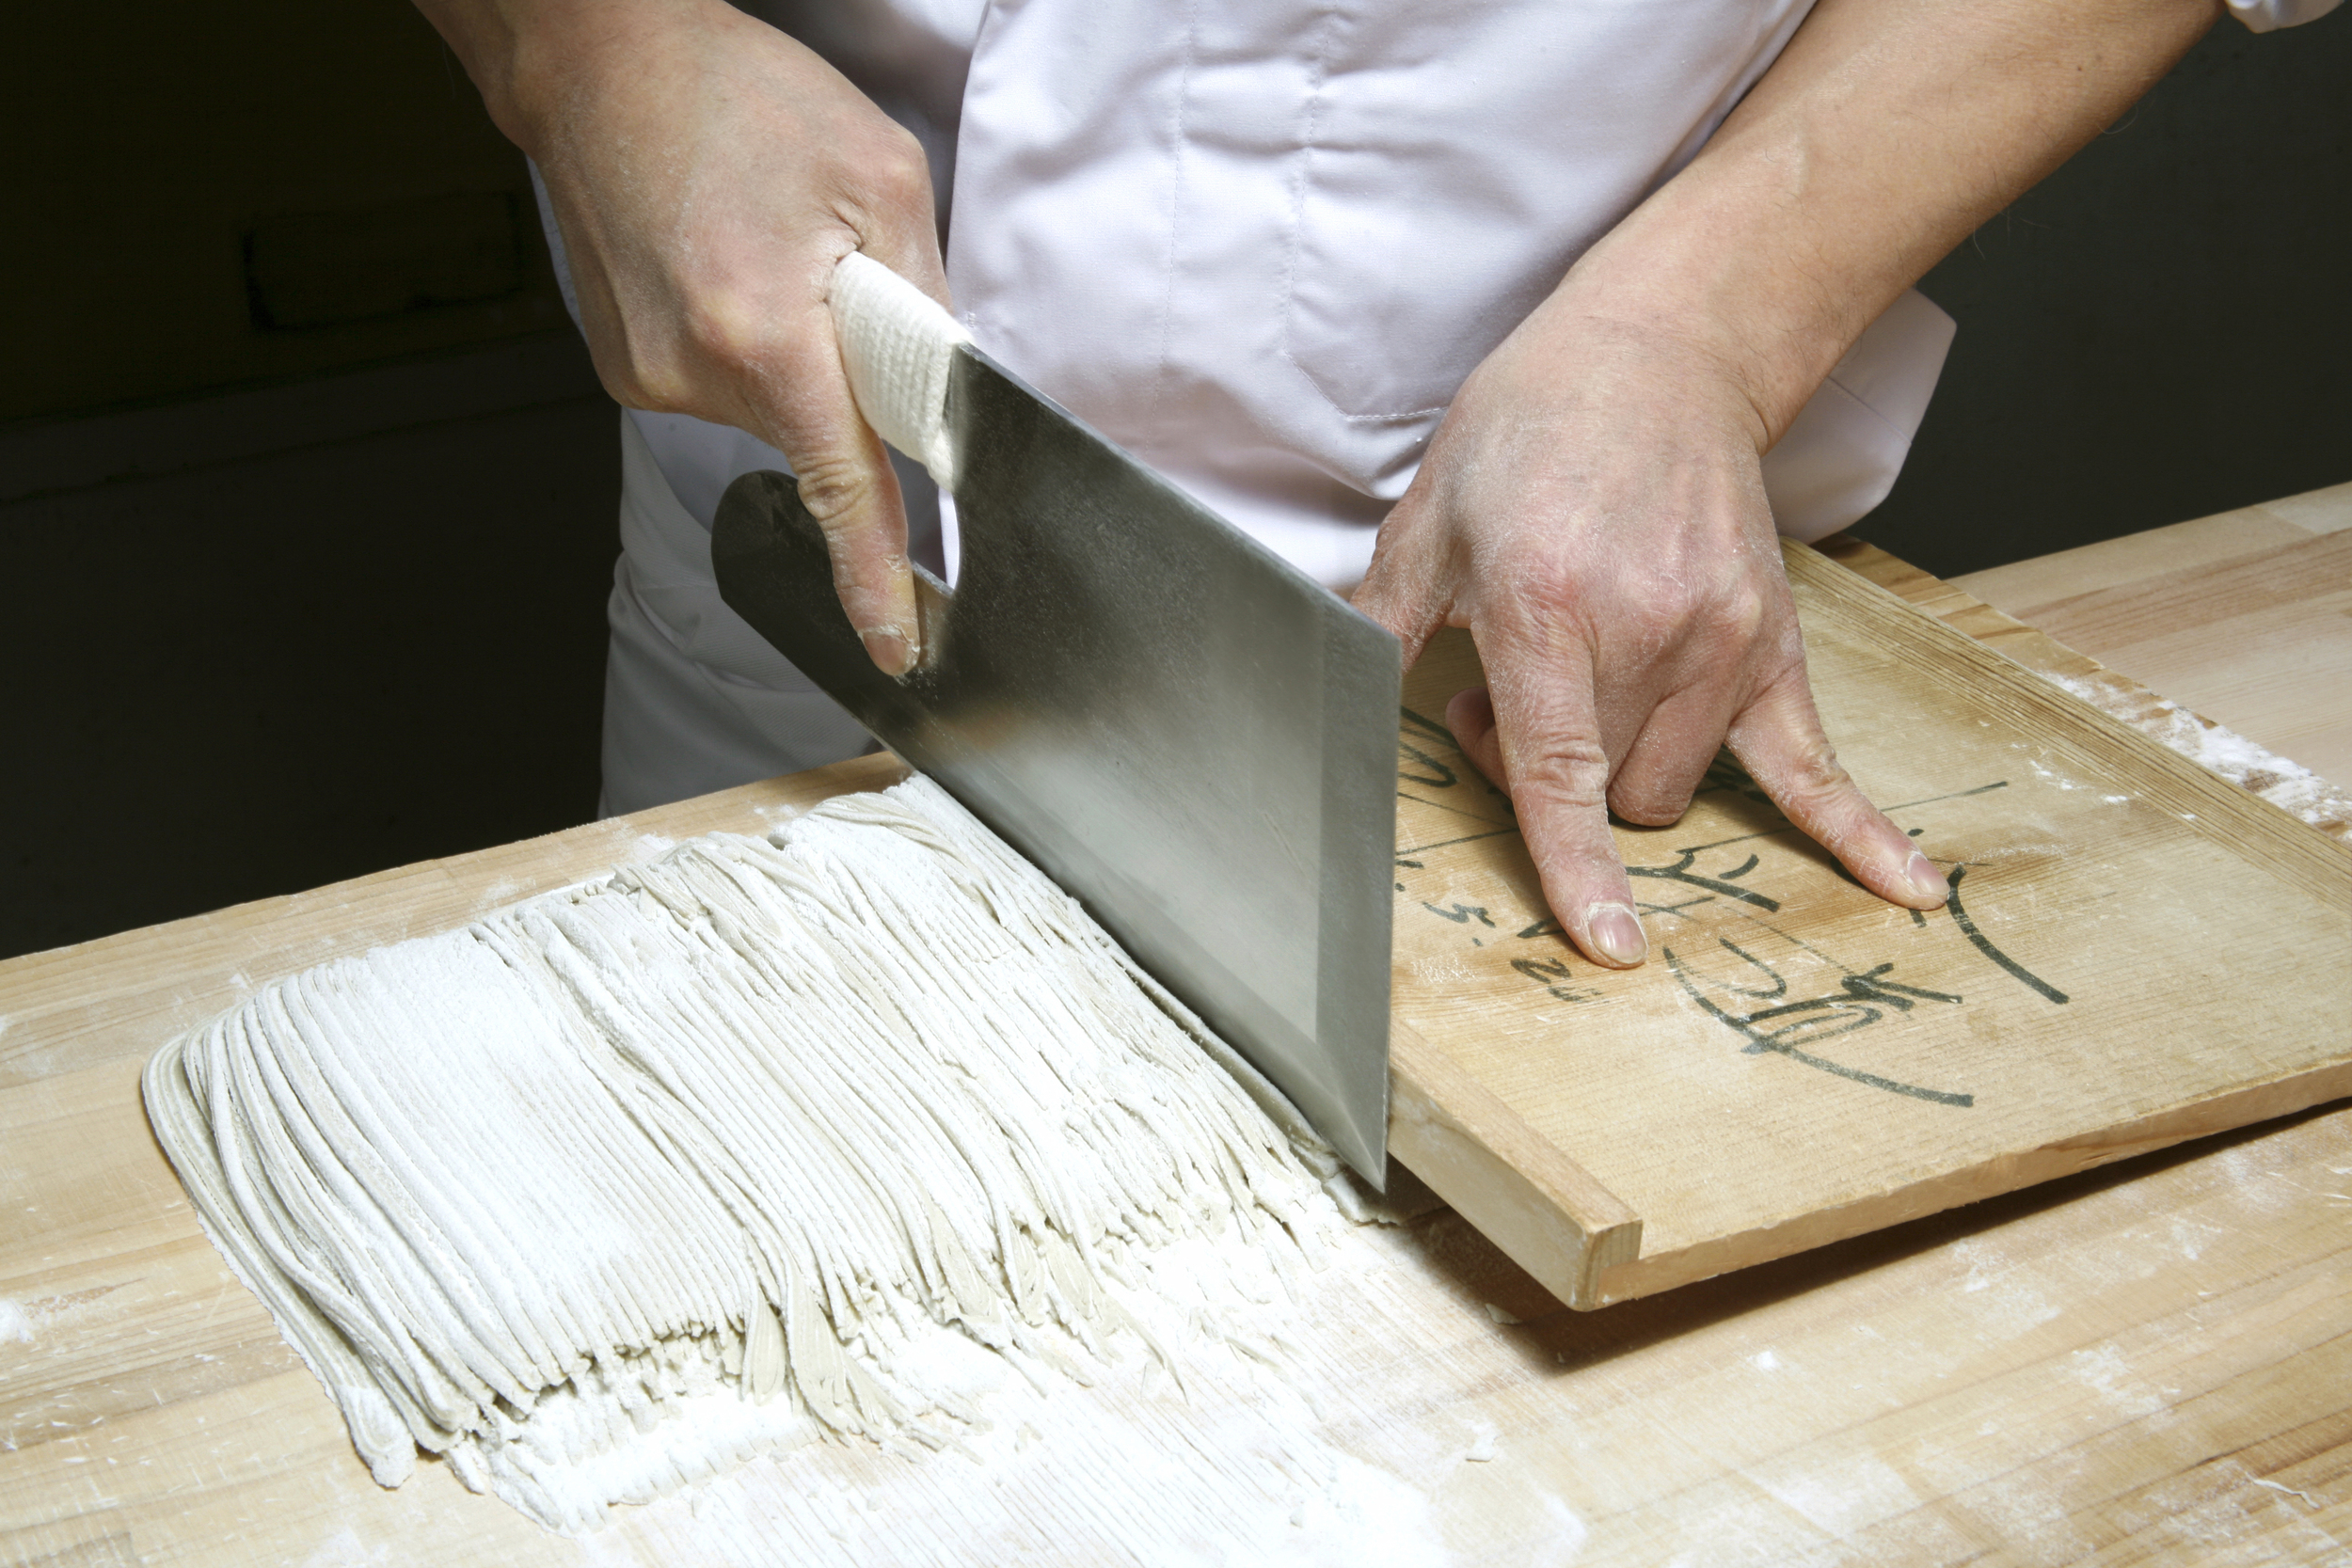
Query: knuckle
pixel 1726 606
pixel 1548 583
pixel 657 386
pixel 893 173
pixel 904 169
pixel 1572 774
pixel 726 330
pixel 1649 805
pixel 835 489
pixel 640 370
pixel 1658 624
pixel 654 393
pixel 1739 613
pixel 1813 775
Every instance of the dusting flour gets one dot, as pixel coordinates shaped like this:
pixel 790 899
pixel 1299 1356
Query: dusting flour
pixel 2288 785
pixel 861 1132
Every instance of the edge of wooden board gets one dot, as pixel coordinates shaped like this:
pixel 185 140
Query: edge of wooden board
pixel 2215 808
pixel 1516 1186
pixel 2006 1173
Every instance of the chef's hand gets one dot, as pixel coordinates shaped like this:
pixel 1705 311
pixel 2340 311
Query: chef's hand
pixel 1592 509
pixel 707 172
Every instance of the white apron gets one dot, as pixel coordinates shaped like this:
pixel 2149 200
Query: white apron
pixel 1261 243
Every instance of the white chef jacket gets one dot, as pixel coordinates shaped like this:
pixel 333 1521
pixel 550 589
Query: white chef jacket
pixel 1259 243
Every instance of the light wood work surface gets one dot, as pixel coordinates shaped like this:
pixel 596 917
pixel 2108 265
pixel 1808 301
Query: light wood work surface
pixel 2147 1362
pixel 2245 617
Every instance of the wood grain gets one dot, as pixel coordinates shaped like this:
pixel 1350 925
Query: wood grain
pixel 1800 1063
pixel 2243 617
pixel 1514 1184
pixel 2146 1363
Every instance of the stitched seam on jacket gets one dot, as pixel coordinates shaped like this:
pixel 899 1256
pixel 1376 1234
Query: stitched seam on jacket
pixel 1309 118
pixel 1175 212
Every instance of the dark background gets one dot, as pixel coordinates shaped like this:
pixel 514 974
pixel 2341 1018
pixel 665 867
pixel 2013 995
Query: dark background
pixel 307 489
pixel 2161 330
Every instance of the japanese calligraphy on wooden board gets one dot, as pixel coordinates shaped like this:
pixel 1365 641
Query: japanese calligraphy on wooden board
pixel 2136 952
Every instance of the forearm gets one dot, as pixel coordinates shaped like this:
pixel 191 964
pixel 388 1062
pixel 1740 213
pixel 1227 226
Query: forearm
pixel 526 56
pixel 1885 132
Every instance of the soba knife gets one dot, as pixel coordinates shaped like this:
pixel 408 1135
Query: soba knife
pixel 1190 736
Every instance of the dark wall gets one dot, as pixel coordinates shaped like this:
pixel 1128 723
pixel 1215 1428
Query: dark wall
pixel 2162 329
pixel 256 677
pixel 200 196
pixel 307 490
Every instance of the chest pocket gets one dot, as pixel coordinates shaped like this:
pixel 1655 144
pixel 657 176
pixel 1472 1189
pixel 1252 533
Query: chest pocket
pixel 1456 159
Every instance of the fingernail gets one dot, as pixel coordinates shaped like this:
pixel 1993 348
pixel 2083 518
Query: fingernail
pixel 890 649
pixel 1925 879
pixel 1617 934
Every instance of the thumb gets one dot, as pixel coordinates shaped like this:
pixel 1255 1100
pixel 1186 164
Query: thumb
pixel 1407 589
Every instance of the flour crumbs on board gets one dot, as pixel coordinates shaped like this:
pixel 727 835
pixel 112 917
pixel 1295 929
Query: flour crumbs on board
pixel 767 1142
pixel 2289 785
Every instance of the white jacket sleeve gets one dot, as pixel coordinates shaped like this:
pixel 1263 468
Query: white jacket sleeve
pixel 2265 16
pixel 1839 457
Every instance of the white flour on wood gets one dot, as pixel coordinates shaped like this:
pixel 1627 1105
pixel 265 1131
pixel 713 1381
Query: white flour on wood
pixel 766 1141
pixel 2289 785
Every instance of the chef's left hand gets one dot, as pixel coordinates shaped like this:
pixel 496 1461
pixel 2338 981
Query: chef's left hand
pixel 1593 510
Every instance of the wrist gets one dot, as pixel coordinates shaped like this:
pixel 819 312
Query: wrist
pixel 1726 270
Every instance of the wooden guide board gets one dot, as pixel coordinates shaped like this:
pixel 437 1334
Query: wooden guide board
pixel 2136 952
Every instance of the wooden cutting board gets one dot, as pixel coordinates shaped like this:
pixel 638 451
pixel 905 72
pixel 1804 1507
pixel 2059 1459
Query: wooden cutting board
pixel 2135 953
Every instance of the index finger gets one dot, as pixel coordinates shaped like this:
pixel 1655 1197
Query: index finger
pixel 1778 738
pixel 848 486
pixel 846 481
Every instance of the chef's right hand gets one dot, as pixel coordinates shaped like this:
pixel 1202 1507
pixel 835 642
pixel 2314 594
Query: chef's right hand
pixel 707 172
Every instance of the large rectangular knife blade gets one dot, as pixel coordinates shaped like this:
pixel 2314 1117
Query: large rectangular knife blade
pixel 1190 736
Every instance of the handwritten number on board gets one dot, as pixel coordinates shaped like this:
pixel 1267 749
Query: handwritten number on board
pixel 1436 774
pixel 1680 872
pixel 1550 973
